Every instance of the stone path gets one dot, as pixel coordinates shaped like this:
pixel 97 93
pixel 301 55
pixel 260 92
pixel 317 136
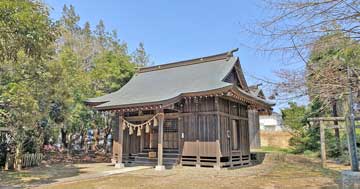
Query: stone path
pixel 96 173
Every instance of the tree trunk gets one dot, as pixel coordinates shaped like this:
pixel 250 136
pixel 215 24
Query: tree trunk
pixel 97 137
pixel 63 137
pixel 106 137
pixel 69 148
pixel 18 156
pixel 336 130
pixel 82 142
pixel 86 144
pixel 40 141
pixel 105 142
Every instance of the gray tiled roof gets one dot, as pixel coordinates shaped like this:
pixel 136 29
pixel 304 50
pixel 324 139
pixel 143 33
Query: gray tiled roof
pixel 164 84
pixel 161 83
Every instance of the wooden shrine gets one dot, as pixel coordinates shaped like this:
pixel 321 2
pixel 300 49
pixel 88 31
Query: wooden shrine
pixel 192 113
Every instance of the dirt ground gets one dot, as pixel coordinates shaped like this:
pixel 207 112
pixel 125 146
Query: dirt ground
pixel 274 172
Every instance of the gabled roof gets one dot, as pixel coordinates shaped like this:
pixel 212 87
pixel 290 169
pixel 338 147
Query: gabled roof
pixel 255 90
pixel 167 83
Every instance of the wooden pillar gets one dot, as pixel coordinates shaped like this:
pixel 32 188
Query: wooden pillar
pixel 230 146
pixel 350 124
pixel 254 128
pixel 218 155
pixel 160 166
pixel 119 163
pixel 322 144
pixel 218 134
pixel 229 135
pixel 198 163
pixel 142 138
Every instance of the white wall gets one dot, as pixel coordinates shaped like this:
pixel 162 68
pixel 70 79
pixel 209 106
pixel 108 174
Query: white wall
pixel 271 123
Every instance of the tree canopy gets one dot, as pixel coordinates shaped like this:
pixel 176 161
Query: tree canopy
pixel 50 67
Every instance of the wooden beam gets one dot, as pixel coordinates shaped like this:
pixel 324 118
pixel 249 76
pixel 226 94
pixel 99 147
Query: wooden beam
pixel 326 119
pixel 330 119
pixel 337 127
pixel 333 127
pixel 177 115
pixel 147 117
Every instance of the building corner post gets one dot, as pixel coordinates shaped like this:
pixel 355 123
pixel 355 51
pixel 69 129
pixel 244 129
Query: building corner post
pixel 160 166
pixel 119 163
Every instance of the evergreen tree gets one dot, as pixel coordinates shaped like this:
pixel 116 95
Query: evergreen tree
pixel 26 48
pixel 70 19
pixel 101 35
pixel 140 57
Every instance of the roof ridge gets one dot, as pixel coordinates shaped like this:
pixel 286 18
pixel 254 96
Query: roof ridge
pixel 225 55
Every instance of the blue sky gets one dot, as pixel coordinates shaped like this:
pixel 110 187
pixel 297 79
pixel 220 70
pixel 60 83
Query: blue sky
pixel 179 30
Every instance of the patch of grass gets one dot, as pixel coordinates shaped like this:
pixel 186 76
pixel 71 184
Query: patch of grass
pixel 276 149
pixel 37 175
pixel 312 154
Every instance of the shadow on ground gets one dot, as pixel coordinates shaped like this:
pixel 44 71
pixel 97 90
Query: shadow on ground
pixel 38 175
pixel 268 170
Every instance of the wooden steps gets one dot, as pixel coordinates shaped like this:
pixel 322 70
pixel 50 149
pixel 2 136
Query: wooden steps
pixel 236 161
pixel 170 158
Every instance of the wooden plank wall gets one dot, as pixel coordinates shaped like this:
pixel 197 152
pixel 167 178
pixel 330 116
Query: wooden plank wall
pixel 244 137
pixel 199 125
pixel 224 140
pixel 254 129
pixel 131 143
pixel 230 110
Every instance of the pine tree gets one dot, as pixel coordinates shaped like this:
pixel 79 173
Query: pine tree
pixel 140 57
pixel 70 19
pixel 101 34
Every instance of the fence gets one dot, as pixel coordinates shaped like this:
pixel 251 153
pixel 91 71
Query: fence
pixel 28 160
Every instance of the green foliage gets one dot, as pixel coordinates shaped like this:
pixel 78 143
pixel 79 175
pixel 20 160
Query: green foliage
pixel 49 68
pixel 304 137
pixel 25 27
pixel 91 63
pixel 111 71
pixel 140 57
pixel 275 149
pixel 327 80
pixel 326 69
pixel 26 45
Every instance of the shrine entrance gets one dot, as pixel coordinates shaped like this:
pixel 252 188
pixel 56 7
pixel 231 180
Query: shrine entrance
pixel 170 136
